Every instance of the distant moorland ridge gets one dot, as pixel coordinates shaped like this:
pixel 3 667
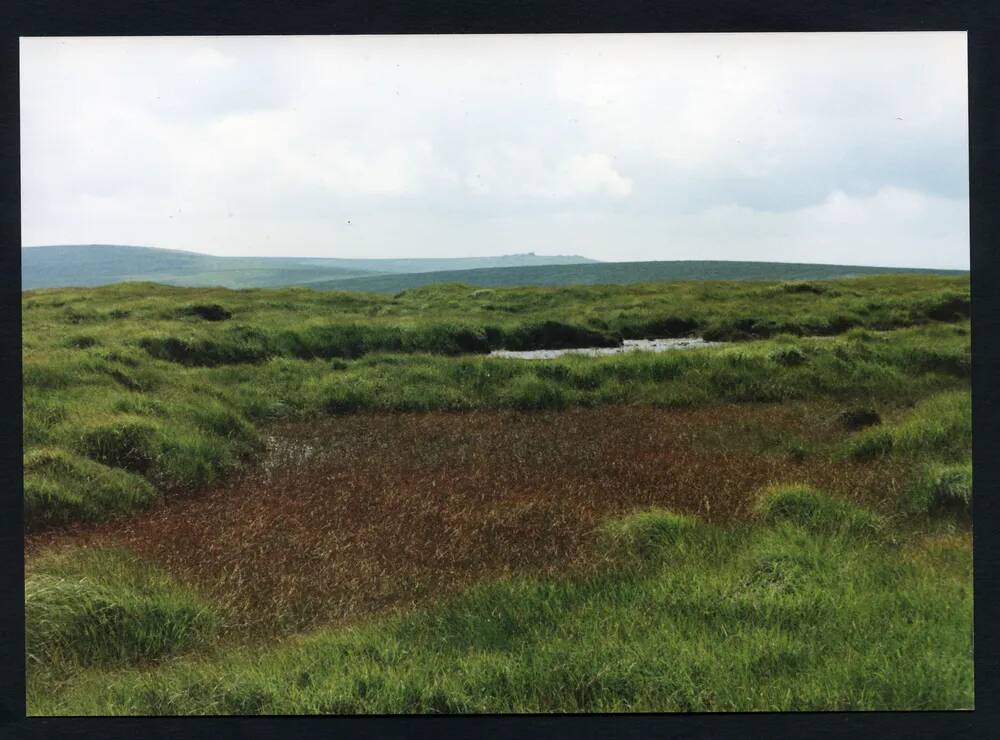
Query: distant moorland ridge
pixel 93 265
pixel 615 273
pixel 86 265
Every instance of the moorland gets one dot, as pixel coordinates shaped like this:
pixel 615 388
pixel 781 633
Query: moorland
pixel 304 501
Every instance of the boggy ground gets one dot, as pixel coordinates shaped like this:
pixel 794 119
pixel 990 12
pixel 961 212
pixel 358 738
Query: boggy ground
pixel 349 516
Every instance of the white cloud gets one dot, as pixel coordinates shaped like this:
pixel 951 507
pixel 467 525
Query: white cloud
pixel 891 227
pixel 522 174
pixel 616 146
pixel 594 173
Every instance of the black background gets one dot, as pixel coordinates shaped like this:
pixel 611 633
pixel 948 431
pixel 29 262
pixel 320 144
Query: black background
pixel 225 17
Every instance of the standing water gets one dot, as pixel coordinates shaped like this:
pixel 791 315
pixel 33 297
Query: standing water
pixel 629 345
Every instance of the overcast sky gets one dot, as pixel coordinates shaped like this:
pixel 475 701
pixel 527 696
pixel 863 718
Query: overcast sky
pixel 838 148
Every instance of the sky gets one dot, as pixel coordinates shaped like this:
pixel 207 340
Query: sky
pixel 847 148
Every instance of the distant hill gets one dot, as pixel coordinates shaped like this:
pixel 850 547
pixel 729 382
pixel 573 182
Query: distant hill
pixel 98 264
pixel 614 273
pixel 101 264
pixel 440 264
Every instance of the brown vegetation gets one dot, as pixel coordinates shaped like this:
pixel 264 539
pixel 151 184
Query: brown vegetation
pixel 352 515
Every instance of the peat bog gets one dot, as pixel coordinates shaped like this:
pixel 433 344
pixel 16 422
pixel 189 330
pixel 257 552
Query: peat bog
pixel 348 516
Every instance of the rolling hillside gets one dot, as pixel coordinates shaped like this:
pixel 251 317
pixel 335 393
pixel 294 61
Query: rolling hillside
pixel 99 264
pixel 615 273
pixel 440 264
pixel 93 265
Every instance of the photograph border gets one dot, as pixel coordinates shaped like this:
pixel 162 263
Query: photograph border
pixel 269 17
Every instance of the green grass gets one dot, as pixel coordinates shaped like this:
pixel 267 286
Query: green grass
pixel 303 322
pixel 646 536
pixel 815 511
pixel 812 604
pixel 61 487
pixel 941 490
pixel 940 425
pixel 772 617
pixel 104 607
pixel 172 385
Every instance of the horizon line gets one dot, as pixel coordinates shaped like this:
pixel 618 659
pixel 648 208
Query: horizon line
pixel 488 256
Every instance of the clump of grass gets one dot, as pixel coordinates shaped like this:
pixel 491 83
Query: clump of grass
pixel 941 490
pixel 946 306
pixel 940 426
pixel 778 571
pixel 344 395
pixel 60 487
pixel 193 459
pixel 789 356
pixel 533 393
pixel 124 441
pixel 872 443
pixel 803 286
pixel 942 360
pixel 646 535
pixel 814 510
pixel 238 345
pixel 105 607
pixel 224 421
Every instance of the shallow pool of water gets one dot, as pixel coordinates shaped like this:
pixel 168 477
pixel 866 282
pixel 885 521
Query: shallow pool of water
pixel 629 345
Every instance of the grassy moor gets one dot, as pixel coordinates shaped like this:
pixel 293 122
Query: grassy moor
pixel 314 501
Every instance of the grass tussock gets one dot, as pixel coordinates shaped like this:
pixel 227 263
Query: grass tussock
pixel 61 487
pixel 104 607
pixel 532 393
pixel 940 426
pixel 125 441
pixel 816 511
pixel 941 490
pixel 646 535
